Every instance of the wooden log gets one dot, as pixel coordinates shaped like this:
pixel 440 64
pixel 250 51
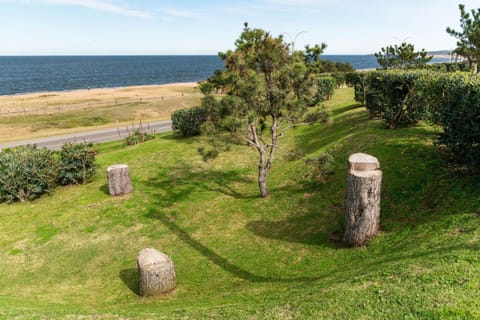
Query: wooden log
pixel 119 181
pixel 362 205
pixel 156 273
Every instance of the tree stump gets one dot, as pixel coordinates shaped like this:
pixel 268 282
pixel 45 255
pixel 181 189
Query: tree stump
pixel 362 208
pixel 119 181
pixel 156 273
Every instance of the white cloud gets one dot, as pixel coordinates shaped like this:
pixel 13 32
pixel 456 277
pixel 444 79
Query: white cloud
pixel 178 13
pixel 98 5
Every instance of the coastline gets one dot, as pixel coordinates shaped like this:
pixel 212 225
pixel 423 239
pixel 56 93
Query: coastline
pixel 47 101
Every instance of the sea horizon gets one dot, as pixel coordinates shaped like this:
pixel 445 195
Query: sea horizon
pixel 49 73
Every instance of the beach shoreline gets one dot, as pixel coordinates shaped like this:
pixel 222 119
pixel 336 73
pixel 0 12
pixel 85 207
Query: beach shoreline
pixel 47 113
pixel 49 101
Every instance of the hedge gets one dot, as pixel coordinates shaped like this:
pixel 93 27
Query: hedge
pixel 451 100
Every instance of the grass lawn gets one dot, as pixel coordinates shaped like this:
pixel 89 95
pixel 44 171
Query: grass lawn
pixel 73 253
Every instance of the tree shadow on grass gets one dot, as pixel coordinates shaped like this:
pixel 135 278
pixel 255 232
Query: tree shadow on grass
pixel 342 110
pixel 183 180
pixel 130 279
pixel 311 229
pixel 216 258
pixel 342 271
pixel 344 126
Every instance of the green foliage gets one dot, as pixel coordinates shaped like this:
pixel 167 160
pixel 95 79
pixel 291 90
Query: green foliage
pixel 325 88
pixel 449 67
pixel 315 115
pixel 76 163
pixel 321 167
pixel 188 122
pixel 266 89
pixel 316 65
pixel 389 95
pixel 460 116
pixel 451 100
pixel 358 80
pixel 468 40
pixel 26 173
pixel 241 257
pixel 138 136
pixel 402 57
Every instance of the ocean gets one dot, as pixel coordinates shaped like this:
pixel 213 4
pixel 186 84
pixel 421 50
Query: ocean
pixel 26 74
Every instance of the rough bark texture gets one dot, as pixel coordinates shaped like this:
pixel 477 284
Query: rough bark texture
pixel 362 209
pixel 156 273
pixel 119 181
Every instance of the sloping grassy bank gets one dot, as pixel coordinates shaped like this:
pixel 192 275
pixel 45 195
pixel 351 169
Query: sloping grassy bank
pixel 239 256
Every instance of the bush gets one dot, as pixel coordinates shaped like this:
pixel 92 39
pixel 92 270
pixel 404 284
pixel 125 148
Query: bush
pixel 391 95
pixel 325 88
pixel 137 137
pixel 357 80
pixel 460 116
pixel 188 122
pixel 451 100
pixel 76 163
pixel 26 173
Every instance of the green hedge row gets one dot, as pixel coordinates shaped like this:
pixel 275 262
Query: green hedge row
pixel 27 172
pixel 451 100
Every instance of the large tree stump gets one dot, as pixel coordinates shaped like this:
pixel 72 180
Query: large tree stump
pixel 362 209
pixel 156 273
pixel 119 181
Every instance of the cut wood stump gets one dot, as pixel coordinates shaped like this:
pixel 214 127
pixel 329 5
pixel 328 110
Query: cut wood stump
pixel 119 181
pixel 156 273
pixel 362 205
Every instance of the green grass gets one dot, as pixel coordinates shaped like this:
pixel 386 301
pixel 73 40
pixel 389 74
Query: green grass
pixel 239 256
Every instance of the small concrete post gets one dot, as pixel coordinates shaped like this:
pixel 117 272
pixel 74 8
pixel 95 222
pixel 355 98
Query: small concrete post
pixel 119 181
pixel 156 273
pixel 362 205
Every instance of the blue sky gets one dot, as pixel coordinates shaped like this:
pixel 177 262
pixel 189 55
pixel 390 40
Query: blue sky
pixel 45 27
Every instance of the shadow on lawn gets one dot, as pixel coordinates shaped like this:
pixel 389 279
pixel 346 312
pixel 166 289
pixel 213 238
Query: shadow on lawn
pixel 216 258
pixel 402 189
pixel 130 279
pixel 182 180
pixel 345 270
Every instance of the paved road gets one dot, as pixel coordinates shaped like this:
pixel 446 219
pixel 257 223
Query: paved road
pixel 104 135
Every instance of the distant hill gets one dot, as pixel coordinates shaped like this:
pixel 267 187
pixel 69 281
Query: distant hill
pixel 440 52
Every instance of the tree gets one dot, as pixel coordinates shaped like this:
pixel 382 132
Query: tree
pixel 265 90
pixel 468 44
pixel 316 65
pixel 402 57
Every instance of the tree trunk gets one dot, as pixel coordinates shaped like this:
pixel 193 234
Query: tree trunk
pixel 156 273
pixel 119 181
pixel 262 181
pixel 362 209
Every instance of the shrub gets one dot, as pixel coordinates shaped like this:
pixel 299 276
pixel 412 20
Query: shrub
pixel 451 100
pixel 325 88
pixel 76 163
pixel 26 173
pixel 357 80
pixel 340 79
pixel 137 137
pixel 460 117
pixel 188 122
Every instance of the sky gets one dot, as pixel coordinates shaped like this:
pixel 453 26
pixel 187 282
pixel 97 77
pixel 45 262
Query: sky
pixel 123 27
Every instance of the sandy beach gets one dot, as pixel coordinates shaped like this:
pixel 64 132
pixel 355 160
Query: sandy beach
pixel 42 114
pixel 57 101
